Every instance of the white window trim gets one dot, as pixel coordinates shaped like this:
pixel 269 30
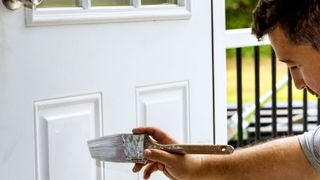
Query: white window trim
pixel 88 14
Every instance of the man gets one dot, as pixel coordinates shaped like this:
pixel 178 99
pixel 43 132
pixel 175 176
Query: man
pixel 293 27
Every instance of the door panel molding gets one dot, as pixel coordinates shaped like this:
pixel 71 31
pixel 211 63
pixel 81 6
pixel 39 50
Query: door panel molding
pixel 62 128
pixel 165 106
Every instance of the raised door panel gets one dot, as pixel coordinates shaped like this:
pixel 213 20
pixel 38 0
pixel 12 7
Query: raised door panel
pixel 165 106
pixel 63 127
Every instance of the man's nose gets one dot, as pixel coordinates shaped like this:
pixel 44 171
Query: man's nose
pixel 297 78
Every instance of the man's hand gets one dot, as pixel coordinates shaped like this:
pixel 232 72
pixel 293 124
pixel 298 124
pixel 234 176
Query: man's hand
pixel 172 165
pixel 278 159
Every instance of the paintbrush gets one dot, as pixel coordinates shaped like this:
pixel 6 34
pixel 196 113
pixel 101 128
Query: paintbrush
pixel 130 147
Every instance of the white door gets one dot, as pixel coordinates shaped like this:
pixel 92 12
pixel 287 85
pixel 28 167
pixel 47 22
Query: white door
pixel 71 74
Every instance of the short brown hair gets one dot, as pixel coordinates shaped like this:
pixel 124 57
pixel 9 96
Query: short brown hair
pixel 299 19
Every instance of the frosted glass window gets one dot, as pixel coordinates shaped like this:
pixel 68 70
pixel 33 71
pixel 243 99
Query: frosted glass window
pixel 155 2
pixel 111 2
pixel 105 3
pixel 59 3
pixel 76 3
pixel 58 12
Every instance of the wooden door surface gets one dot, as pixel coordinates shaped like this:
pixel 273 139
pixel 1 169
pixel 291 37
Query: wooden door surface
pixel 62 84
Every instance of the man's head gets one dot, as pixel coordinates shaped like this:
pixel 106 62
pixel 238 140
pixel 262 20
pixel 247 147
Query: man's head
pixel 293 27
pixel 299 19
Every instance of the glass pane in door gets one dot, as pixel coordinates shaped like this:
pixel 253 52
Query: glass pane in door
pixel 59 3
pixel 158 2
pixel 111 2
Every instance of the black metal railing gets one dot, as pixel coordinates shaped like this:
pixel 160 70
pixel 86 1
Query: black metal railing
pixel 274 94
pixel 290 131
pixel 239 96
pixel 257 91
pixel 267 120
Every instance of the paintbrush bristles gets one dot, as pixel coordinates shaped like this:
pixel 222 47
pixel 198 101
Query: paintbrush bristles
pixel 118 148
pixel 107 148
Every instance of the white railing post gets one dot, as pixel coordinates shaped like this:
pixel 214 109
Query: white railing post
pixel 238 38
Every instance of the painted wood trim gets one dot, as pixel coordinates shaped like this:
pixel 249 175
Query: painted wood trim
pixel 219 73
pixel 86 4
pixel 62 16
pixel 136 3
pixel 160 94
pixel 46 110
pixel 243 38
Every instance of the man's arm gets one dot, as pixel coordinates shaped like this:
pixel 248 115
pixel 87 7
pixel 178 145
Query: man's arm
pixel 278 159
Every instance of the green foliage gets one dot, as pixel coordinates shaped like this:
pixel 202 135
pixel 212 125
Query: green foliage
pixel 238 13
pixel 248 53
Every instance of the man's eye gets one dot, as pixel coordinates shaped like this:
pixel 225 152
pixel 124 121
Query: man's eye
pixel 293 67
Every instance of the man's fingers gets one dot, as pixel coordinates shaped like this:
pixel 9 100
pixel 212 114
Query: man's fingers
pixel 137 167
pixel 150 169
pixel 165 158
pixel 156 133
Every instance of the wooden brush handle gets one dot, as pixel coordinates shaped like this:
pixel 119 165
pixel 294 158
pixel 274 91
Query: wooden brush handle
pixel 197 149
pixel 188 149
